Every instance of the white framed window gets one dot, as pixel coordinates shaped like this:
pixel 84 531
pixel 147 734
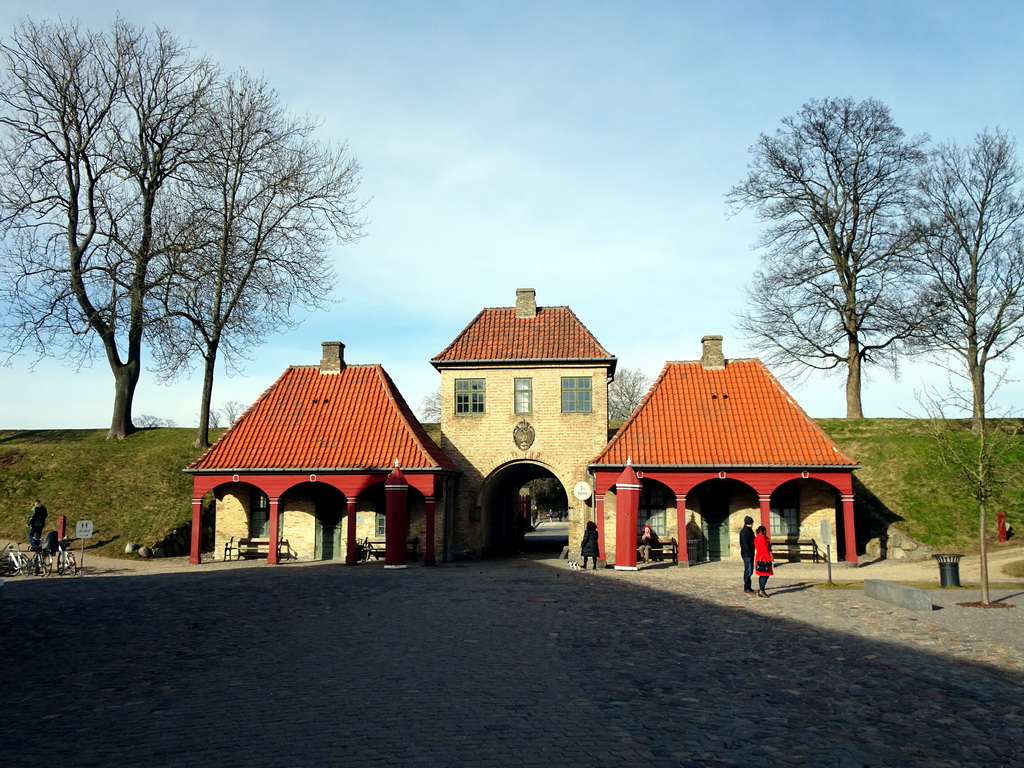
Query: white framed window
pixel 523 396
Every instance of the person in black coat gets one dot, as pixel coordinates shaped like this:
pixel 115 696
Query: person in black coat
pixel 747 551
pixel 588 547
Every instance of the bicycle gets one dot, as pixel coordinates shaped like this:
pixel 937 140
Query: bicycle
pixel 66 562
pixel 39 563
pixel 16 561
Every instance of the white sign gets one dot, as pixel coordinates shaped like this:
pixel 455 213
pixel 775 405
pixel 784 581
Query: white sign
pixel 83 529
pixel 582 490
pixel 826 532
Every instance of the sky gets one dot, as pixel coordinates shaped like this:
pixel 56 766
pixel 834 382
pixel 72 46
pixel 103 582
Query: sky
pixel 580 148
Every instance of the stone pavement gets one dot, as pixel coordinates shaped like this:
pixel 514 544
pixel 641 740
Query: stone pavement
pixel 519 662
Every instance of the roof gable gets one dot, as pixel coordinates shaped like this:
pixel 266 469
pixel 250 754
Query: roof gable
pixel 355 419
pixel 498 335
pixel 738 415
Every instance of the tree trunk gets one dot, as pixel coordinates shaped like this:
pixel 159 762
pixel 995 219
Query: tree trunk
pixel 854 410
pixel 126 377
pixel 203 433
pixel 978 398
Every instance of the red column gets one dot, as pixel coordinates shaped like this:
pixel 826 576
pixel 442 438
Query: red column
pixel 599 520
pixel 195 556
pixel 851 534
pixel 627 502
pixel 350 530
pixel 273 555
pixel 429 557
pixel 684 550
pixel 396 524
pixel 765 502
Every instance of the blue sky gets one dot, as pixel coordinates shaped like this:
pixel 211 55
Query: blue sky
pixel 583 149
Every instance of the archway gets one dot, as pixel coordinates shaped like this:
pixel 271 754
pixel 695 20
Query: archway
pixel 505 516
pixel 323 503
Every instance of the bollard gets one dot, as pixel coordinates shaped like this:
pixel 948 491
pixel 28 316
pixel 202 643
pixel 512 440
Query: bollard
pixel 949 570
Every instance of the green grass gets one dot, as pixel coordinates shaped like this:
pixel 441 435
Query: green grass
pixel 134 489
pixel 902 472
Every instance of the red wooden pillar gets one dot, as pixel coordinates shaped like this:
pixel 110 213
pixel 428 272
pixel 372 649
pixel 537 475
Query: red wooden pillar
pixel 62 527
pixel 350 530
pixel 273 554
pixel 684 550
pixel 396 524
pixel 195 557
pixel 627 502
pixel 599 520
pixel 429 556
pixel 764 500
pixel 851 534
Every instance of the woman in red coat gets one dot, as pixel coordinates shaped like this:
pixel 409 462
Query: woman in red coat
pixel 762 559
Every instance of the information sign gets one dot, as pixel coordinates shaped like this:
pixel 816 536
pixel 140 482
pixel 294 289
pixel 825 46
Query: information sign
pixel 83 529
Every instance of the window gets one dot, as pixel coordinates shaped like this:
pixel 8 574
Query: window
pixel 381 527
pixel 652 510
pixel 259 515
pixel 469 396
pixel 524 396
pixel 575 395
pixel 785 517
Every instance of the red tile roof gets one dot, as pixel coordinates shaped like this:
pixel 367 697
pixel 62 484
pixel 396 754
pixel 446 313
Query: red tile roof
pixel 496 334
pixel 355 419
pixel 736 416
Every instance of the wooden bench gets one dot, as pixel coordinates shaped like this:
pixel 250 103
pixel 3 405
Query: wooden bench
pixel 252 549
pixel 796 549
pixel 374 548
pixel 665 549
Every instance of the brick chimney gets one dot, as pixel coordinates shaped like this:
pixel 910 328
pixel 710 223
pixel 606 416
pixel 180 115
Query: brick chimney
pixel 526 302
pixel 333 360
pixel 711 353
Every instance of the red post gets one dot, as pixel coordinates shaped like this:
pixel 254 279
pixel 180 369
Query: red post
pixel 350 530
pixel 273 554
pixel 627 503
pixel 682 541
pixel 429 555
pixel 62 527
pixel 396 524
pixel 195 557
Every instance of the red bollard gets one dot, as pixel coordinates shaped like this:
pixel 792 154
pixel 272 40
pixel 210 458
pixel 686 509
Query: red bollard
pixel 62 525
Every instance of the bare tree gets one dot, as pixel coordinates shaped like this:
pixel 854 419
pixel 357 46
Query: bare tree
pixel 232 409
pixel 971 214
pixel 95 128
pixel 430 407
pixel 833 290
pixel 268 203
pixel 148 421
pixel 626 391
pixel 975 457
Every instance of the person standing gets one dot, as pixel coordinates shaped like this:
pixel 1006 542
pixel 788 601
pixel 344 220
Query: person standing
pixel 747 551
pixel 588 547
pixel 763 561
pixel 36 521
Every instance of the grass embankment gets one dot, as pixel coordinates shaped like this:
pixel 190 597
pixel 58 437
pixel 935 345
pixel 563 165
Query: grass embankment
pixel 908 484
pixel 132 490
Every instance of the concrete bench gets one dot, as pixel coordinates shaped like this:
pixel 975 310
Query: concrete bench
pixel 911 598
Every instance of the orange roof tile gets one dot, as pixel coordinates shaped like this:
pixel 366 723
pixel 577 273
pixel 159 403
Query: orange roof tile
pixel 355 419
pixel 736 416
pixel 496 334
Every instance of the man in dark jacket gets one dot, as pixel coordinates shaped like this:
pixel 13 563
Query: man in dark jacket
pixel 747 551
pixel 35 524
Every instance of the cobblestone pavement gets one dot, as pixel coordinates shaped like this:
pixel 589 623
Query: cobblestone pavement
pixel 514 663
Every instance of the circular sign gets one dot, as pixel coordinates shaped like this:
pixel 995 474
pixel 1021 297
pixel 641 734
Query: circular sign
pixel 582 490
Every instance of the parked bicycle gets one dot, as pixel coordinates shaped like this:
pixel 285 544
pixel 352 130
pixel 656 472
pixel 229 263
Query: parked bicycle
pixel 66 562
pixel 16 561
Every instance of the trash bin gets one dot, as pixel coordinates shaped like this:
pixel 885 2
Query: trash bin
pixel 949 570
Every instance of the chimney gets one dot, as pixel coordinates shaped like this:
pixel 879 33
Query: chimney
pixel 711 356
pixel 333 360
pixel 526 302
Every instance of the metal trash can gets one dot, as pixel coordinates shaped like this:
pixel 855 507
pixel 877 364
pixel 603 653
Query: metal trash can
pixel 949 570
